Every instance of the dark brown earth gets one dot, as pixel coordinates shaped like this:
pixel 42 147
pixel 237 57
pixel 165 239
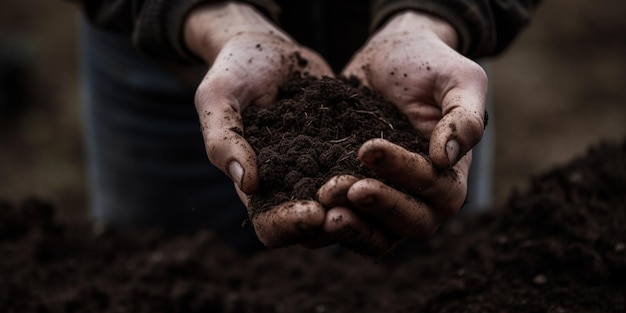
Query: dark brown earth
pixel 559 247
pixel 313 133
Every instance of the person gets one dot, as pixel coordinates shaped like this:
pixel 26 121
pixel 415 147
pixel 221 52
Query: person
pixel 146 62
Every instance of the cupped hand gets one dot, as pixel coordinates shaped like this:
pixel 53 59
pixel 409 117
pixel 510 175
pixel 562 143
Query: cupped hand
pixel 249 59
pixel 411 61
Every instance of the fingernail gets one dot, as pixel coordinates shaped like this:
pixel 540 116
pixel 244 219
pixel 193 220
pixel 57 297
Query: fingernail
pixel 374 157
pixel 235 171
pixel 366 200
pixel 452 151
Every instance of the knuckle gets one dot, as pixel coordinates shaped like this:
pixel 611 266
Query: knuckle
pixel 430 229
pixel 477 72
pixel 202 93
pixel 214 144
pixel 476 124
pixel 305 214
pixel 451 208
pixel 422 230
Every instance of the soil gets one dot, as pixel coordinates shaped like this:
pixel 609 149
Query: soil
pixel 313 132
pixel 557 247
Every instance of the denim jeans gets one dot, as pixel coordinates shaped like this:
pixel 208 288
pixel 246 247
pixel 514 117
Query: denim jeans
pixel 145 154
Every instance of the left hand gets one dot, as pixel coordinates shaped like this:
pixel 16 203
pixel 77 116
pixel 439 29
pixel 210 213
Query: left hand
pixel 412 62
pixel 250 58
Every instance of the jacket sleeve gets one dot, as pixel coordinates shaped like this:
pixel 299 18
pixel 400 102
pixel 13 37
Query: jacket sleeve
pixel 156 26
pixel 485 27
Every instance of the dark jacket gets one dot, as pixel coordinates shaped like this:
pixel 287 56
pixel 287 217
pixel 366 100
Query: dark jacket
pixel 334 28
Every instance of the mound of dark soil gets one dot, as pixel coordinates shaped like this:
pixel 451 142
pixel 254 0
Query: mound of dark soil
pixel 558 247
pixel 313 132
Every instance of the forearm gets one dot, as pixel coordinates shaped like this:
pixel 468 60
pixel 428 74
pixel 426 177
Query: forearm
pixel 209 27
pixel 426 24
pixel 156 26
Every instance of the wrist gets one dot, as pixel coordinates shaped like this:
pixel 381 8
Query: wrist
pixel 421 22
pixel 209 27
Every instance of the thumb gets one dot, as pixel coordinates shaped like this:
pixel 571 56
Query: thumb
pixel 462 124
pixel 222 128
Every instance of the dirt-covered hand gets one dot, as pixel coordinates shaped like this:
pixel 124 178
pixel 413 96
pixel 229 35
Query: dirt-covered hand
pixel 412 62
pixel 379 215
pixel 249 59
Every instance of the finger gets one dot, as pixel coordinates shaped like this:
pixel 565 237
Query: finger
pixel 319 240
pixel 396 211
pixel 463 121
pixel 358 68
pixel 242 196
pixel 444 190
pixel 312 63
pixel 397 164
pixel 448 194
pixel 355 233
pixel 288 223
pixel 334 192
pixel 222 129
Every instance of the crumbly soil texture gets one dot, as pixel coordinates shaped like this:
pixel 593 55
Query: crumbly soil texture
pixel 313 132
pixel 559 246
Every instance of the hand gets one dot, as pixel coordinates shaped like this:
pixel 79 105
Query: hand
pixel 250 58
pixel 411 61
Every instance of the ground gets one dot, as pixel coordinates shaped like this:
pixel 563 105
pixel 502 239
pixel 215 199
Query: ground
pixel 557 248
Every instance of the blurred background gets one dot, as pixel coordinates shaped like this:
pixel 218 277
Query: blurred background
pixel 558 89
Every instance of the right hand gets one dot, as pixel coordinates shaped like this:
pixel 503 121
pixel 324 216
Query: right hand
pixel 249 59
pixel 413 63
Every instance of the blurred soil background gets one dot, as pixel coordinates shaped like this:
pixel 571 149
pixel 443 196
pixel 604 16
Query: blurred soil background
pixel 559 88
pixel 41 153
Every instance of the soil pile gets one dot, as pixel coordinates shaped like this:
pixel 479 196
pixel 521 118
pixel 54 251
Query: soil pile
pixel 558 247
pixel 313 132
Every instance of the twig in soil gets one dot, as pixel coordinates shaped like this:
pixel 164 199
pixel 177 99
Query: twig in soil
pixel 376 116
pixel 309 122
pixel 323 108
pixel 346 156
pixel 339 140
pixel 366 112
